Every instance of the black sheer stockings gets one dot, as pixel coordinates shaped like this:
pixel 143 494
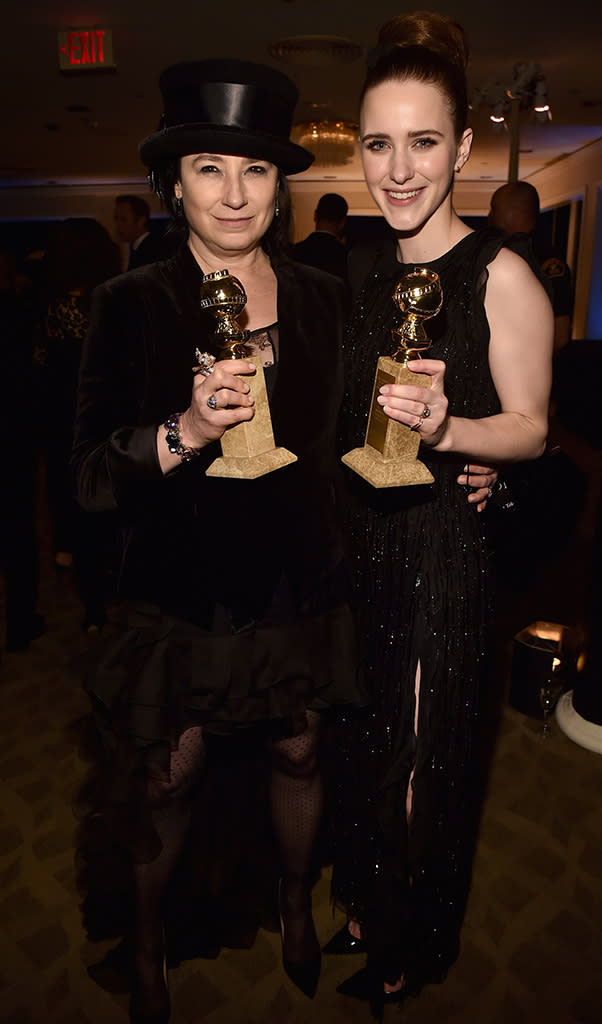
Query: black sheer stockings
pixel 297 804
pixel 168 798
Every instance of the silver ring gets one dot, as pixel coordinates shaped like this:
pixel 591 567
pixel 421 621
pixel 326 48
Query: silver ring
pixel 206 363
pixel 212 402
pixel 490 492
pixel 426 412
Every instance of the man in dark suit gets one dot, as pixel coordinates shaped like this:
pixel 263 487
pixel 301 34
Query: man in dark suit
pixel 324 248
pixel 132 226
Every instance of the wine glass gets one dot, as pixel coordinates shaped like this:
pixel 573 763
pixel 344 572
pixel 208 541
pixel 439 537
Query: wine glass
pixel 549 693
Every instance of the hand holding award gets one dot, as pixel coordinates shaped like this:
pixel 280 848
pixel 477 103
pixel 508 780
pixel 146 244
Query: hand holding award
pixel 389 455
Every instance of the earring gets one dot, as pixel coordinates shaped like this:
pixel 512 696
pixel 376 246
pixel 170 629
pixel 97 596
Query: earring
pixel 276 208
pixel 178 205
pixel 155 183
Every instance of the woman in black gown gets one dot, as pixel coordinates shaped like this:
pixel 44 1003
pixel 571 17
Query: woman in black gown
pixel 419 555
pixel 235 612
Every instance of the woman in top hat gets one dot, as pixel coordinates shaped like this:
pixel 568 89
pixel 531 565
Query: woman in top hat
pixel 234 605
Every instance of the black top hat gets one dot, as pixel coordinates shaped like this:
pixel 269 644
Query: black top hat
pixel 226 106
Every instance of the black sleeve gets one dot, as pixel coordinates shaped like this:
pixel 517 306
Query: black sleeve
pixel 115 462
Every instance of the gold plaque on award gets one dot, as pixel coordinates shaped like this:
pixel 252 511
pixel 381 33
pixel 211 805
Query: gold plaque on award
pixel 389 455
pixel 248 448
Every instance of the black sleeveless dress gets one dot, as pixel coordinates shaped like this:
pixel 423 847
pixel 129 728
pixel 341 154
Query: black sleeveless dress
pixel 420 566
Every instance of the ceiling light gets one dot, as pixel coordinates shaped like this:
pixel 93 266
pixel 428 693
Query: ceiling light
pixel 330 138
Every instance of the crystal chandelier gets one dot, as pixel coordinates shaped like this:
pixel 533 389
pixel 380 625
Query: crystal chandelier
pixel 331 139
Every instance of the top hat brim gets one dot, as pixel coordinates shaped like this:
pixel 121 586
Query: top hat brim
pixel 182 140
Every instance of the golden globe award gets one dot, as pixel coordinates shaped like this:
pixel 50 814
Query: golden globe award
pixel 248 448
pixel 389 455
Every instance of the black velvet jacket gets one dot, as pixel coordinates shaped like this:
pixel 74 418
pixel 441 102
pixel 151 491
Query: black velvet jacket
pixel 191 541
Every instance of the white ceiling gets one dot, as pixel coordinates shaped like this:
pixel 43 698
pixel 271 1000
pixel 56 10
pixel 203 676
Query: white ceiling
pixel 44 141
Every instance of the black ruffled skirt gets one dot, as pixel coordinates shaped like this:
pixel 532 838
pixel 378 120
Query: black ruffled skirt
pixel 159 675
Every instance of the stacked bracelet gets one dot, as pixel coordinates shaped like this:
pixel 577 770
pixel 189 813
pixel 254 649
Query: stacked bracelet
pixel 173 439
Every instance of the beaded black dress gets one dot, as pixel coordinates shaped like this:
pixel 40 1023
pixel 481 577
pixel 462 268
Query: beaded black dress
pixel 420 565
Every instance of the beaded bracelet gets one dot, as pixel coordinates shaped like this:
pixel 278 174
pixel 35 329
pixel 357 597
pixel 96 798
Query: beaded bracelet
pixel 173 439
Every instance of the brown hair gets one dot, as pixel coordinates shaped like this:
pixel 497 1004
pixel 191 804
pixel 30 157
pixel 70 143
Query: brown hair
pixel 427 47
pixel 277 239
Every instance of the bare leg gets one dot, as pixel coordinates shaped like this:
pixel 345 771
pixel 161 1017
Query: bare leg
pixel 410 792
pixel 168 797
pixel 355 929
pixel 297 805
pixel 399 984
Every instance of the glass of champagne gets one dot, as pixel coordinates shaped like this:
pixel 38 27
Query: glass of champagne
pixel 549 693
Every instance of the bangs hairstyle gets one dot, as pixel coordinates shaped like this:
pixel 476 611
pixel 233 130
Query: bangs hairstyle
pixel 277 241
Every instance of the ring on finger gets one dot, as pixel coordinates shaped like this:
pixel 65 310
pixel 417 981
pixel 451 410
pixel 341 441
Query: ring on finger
pixel 212 402
pixel 426 412
pixel 206 363
pixel 418 423
pixel 490 492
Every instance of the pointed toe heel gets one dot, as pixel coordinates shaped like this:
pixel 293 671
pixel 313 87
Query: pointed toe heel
pixel 367 985
pixel 344 944
pixel 358 986
pixel 304 975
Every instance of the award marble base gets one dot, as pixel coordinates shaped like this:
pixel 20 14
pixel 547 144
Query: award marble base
pixel 248 449
pixel 388 458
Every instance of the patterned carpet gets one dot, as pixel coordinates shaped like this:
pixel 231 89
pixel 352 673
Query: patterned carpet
pixel 531 947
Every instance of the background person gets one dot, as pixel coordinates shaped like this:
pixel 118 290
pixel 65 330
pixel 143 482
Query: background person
pixel 132 225
pixel 18 536
pixel 325 247
pixel 515 210
pixel 80 256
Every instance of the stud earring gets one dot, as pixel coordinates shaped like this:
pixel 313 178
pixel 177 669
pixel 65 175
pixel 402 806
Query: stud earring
pixel 276 208
pixel 178 205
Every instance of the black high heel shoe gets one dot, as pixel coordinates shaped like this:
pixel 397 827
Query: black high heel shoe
pixel 367 985
pixel 344 944
pixel 161 1016
pixel 305 974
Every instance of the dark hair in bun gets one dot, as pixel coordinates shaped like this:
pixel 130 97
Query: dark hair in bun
pixel 427 47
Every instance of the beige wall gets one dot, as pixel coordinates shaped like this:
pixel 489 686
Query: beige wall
pixel 578 176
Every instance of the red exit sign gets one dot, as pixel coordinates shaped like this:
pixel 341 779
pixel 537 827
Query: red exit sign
pixel 86 49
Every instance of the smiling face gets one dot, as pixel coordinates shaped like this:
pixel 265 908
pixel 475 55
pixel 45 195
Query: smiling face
pixel 409 153
pixel 228 201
